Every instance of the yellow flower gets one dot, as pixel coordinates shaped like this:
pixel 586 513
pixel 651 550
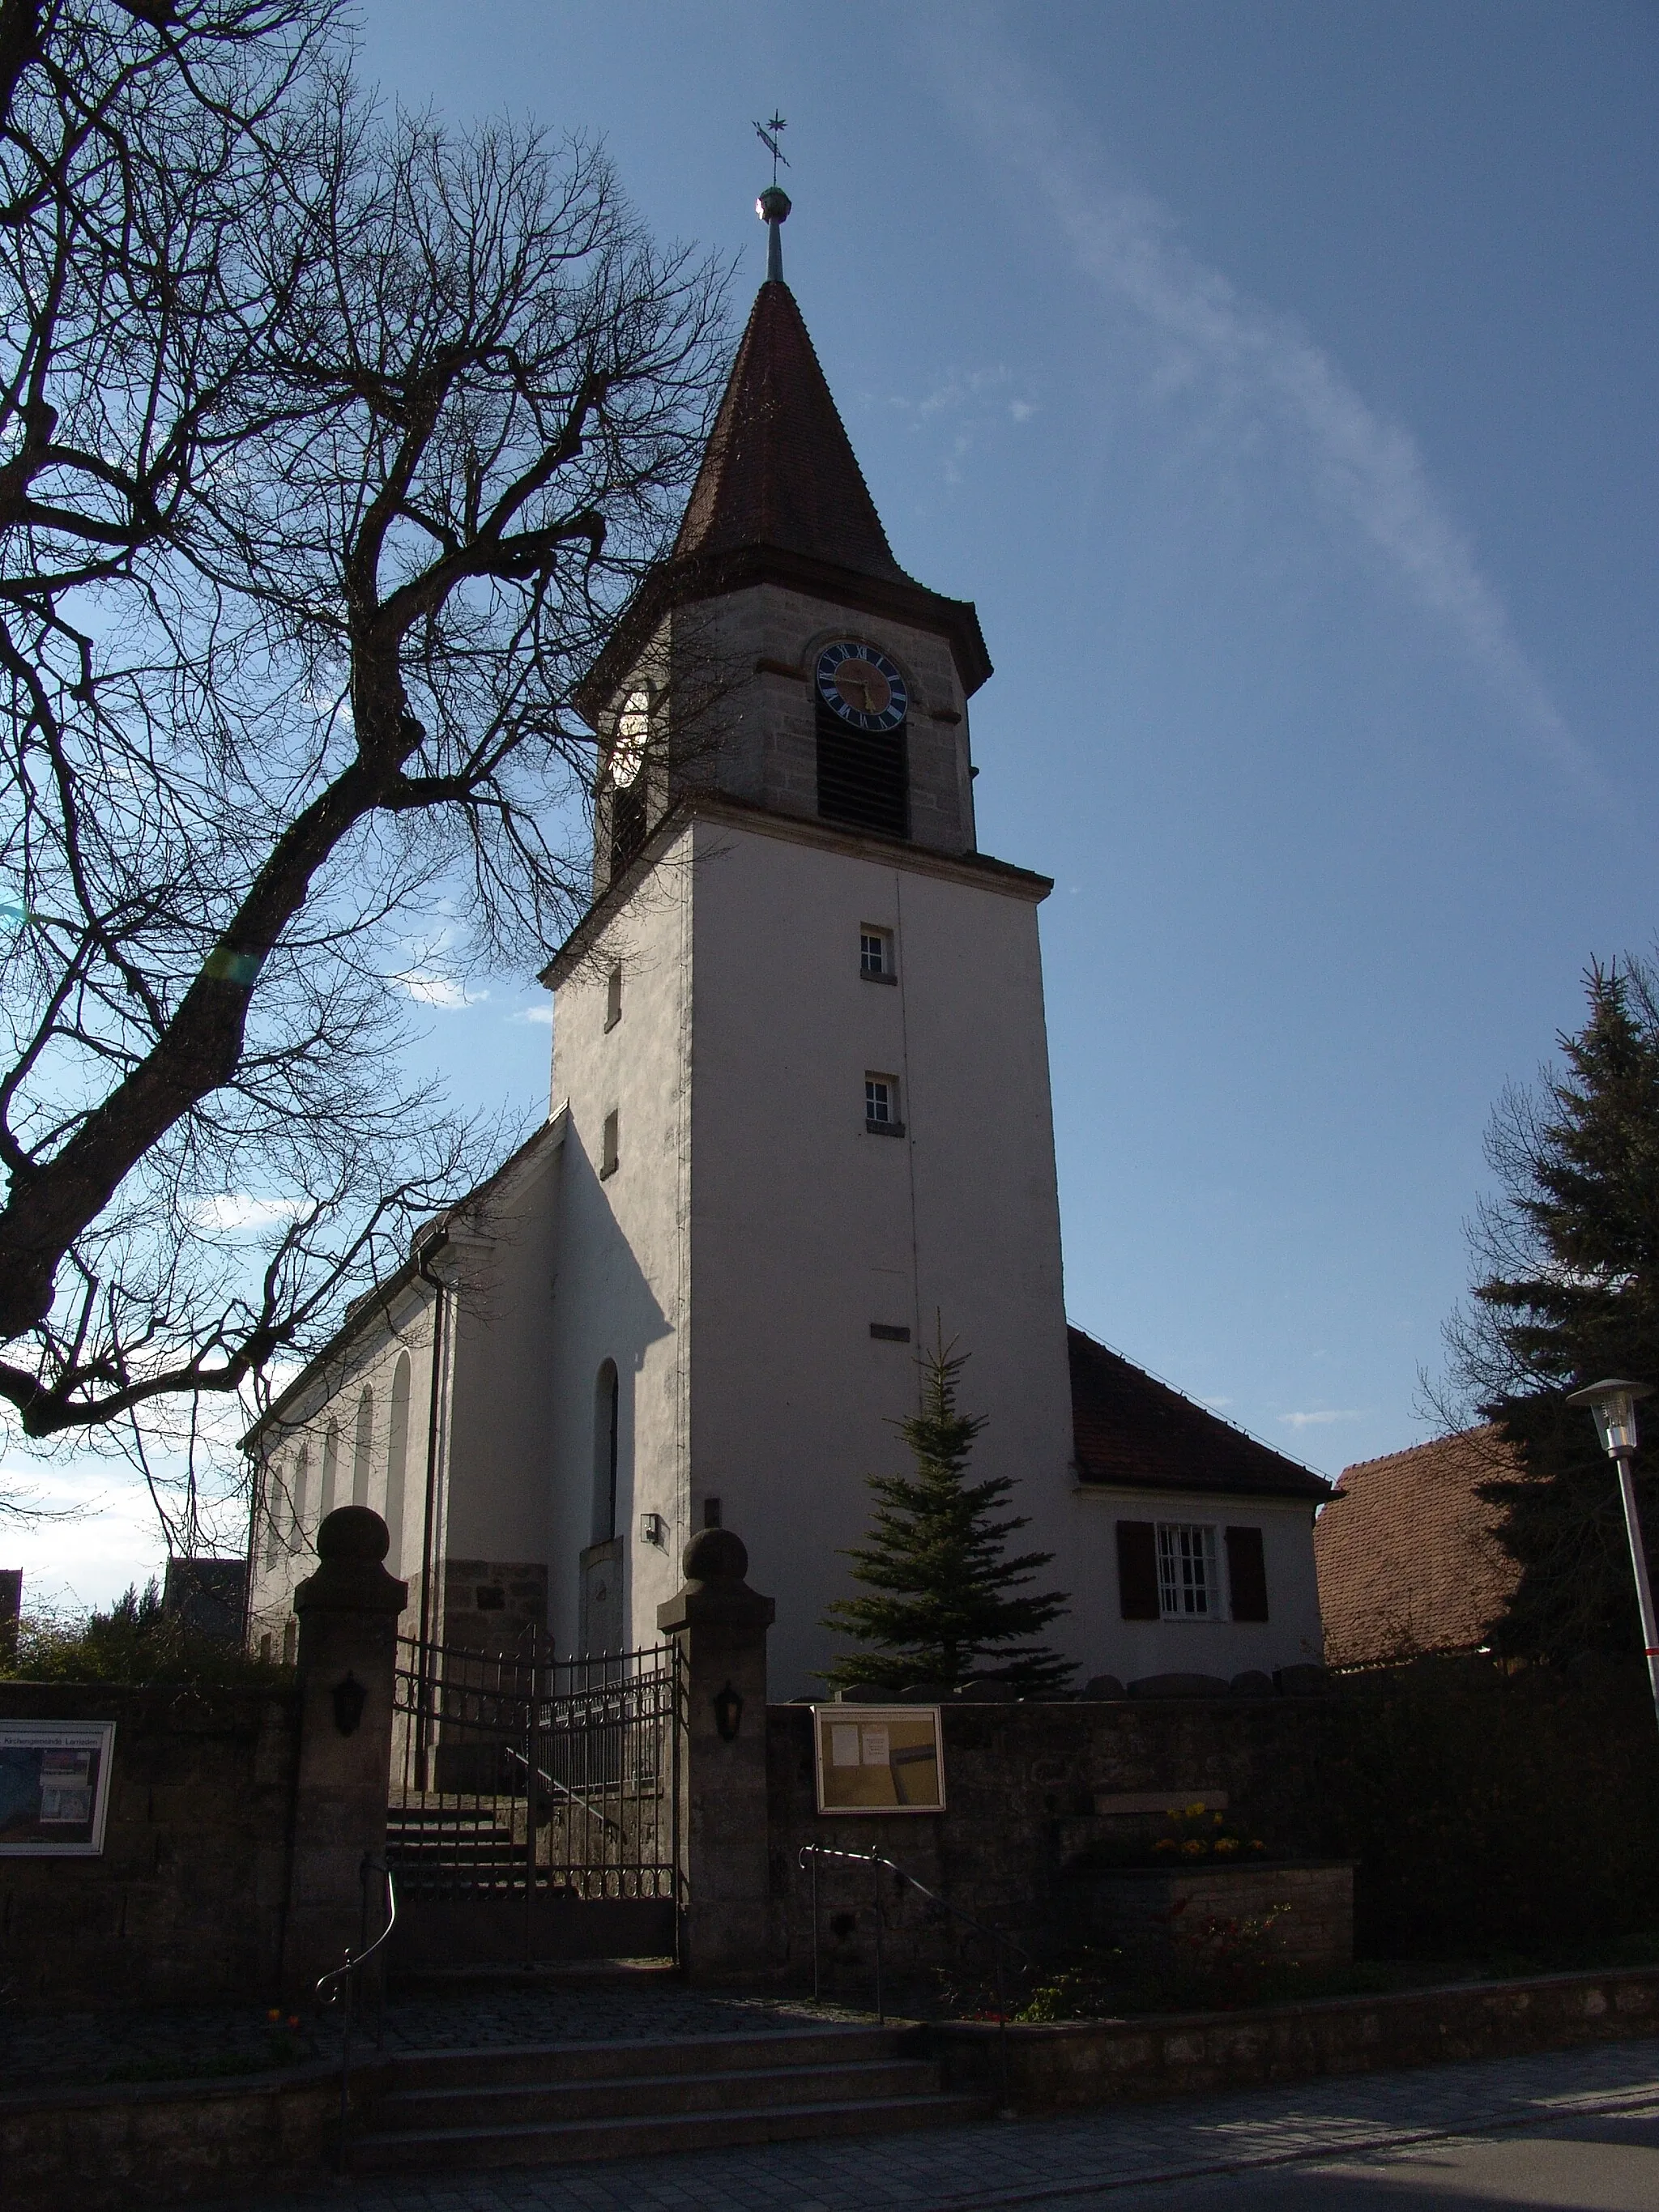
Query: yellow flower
pixel 1226 1843
pixel 1193 1850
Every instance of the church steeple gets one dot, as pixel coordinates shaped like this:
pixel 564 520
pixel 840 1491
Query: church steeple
pixel 779 499
pixel 718 682
pixel 780 470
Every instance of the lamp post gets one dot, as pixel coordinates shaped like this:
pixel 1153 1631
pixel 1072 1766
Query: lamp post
pixel 1614 1404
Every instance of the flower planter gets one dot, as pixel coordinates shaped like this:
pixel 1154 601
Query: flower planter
pixel 1152 1914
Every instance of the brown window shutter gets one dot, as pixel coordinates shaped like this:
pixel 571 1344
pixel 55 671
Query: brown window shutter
pixel 1247 1574
pixel 1137 1570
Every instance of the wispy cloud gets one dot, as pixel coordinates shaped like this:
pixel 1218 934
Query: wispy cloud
pixel 1322 1417
pixel 541 1016
pixel 434 988
pixel 236 1210
pixel 1213 342
pixel 974 401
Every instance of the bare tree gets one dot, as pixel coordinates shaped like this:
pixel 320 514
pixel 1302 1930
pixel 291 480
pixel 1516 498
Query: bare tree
pixel 333 443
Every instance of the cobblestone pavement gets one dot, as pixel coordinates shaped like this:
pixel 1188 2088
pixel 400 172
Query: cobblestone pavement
pixel 175 2043
pixel 1111 2157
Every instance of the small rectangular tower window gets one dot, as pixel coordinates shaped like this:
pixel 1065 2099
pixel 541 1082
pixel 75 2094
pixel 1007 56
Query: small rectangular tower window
pixel 876 963
pixel 881 1106
pixel 613 997
pixel 609 1157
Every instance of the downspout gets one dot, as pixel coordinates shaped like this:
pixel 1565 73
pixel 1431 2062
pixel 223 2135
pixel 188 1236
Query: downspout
pixel 426 1670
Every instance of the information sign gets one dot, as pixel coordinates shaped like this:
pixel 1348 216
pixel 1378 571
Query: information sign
pixel 879 1758
pixel 54 1787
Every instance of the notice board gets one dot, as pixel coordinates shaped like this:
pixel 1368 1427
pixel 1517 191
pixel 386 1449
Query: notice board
pixel 54 1787
pixel 879 1758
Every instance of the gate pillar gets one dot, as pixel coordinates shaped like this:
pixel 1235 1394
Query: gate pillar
pixel 720 1624
pixel 348 1660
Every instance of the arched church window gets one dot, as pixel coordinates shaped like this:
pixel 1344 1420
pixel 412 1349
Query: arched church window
pixel 397 1461
pixel 331 1471
pixel 273 1512
pixel 362 1442
pixel 302 1484
pixel 607 1417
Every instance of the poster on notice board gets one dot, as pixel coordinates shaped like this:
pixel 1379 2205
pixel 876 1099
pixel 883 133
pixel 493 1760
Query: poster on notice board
pixel 54 1787
pixel 879 1758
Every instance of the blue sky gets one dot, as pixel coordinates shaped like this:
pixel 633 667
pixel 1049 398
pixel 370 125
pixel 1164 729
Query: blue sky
pixel 1277 380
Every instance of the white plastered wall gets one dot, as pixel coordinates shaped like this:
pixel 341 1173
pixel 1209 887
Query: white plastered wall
pixel 1291 1635
pixel 619 1290
pixel 501 1412
pixel 806 1228
pixel 366 1359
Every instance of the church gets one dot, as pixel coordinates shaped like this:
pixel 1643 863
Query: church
pixel 800 1126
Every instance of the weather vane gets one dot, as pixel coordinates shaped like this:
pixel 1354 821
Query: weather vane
pixel 768 135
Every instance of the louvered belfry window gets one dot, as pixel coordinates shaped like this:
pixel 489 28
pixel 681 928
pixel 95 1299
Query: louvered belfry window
pixel 864 779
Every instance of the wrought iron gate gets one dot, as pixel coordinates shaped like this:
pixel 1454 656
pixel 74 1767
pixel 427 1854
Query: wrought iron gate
pixel 534 1804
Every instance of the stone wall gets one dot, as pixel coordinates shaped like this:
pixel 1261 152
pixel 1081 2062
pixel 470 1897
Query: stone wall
pixel 1075 2063
pixel 1025 1785
pixel 186 1901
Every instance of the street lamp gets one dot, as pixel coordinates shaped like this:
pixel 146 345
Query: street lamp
pixel 1614 1404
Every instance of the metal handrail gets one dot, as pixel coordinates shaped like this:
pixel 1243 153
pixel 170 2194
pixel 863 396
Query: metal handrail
pixel 344 1979
pixel 540 1774
pixel 875 1861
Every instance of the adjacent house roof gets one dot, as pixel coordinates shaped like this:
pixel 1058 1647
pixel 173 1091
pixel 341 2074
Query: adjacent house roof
pixel 1131 1431
pixel 1408 1556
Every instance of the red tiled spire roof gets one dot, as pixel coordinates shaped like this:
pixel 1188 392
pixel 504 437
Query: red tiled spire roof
pixel 781 498
pixel 780 470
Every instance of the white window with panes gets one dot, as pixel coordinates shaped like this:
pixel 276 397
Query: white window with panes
pixel 876 954
pixel 1188 1584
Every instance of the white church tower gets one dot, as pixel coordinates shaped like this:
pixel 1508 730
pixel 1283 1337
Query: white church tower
pixel 801 1035
pixel 800 1122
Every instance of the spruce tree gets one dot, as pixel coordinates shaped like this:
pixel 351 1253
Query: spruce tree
pixel 1569 1292
pixel 943 1608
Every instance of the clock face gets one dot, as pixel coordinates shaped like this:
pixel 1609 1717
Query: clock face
pixel 633 736
pixel 860 683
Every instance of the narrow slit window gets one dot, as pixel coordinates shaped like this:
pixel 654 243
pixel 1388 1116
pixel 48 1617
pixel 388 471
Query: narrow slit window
pixel 613 997
pixel 610 1145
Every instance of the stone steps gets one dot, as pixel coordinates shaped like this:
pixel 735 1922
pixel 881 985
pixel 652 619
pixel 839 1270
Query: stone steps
pixel 561 2103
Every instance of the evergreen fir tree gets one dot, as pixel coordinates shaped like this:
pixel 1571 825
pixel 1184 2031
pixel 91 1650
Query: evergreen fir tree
pixel 943 1609
pixel 1569 1292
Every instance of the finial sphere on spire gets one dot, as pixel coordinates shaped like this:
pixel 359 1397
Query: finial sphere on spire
pixel 772 209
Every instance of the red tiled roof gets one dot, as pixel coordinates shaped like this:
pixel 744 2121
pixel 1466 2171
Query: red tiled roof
pixel 780 470
pixel 1130 1430
pixel 1408 1556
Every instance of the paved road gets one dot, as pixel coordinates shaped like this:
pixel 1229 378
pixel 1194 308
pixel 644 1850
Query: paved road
pixel 1609 2164
pixel 1574 2130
